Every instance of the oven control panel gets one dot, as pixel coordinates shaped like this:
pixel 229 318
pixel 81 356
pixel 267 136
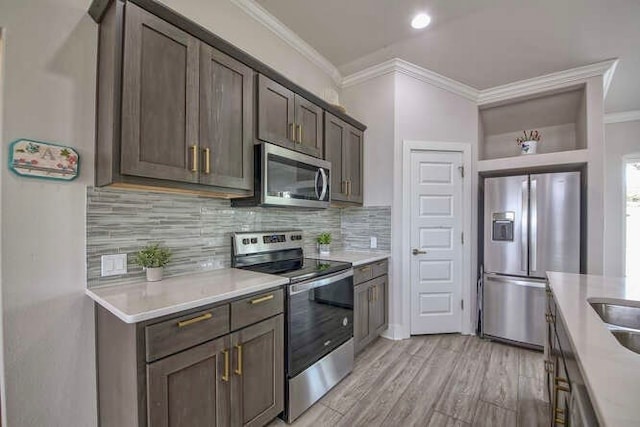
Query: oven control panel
pixel 265 241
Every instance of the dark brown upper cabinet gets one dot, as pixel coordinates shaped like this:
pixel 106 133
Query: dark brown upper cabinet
pixel 226 120
pixel 344 148
pixel 159 99
pixel 177 106
pixel 287 119
pixel 187 109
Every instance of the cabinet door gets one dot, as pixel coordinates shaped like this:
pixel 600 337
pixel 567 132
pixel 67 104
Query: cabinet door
pixel 257 385
pixel 361 323
pixel 353 164
pixel 191 388
pixel 159 99
pixel 226 120
pixel 334 152
pixel 309 130
pixel 378 310
pixel 275 113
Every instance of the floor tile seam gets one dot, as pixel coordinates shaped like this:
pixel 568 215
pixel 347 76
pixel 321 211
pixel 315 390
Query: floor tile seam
pixel 498 405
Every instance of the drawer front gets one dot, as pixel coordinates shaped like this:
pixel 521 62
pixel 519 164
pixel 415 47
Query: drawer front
pixel 362 273
pixel 256 308
pixel 169 337
pixel 380 268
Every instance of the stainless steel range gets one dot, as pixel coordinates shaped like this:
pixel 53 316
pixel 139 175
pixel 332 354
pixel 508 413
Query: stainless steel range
pixel 319 313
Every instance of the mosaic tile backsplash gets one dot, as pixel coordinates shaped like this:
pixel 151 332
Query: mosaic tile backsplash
pixel 198 229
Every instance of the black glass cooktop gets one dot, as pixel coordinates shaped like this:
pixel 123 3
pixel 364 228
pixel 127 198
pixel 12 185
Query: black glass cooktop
pixel 300 269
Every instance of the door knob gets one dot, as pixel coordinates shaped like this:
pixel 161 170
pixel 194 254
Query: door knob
pixel 418 252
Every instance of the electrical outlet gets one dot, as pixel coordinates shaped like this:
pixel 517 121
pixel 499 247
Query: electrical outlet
pixel 113 265
pixel 374 242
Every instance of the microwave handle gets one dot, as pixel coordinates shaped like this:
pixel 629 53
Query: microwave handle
pixel 325 184
pixel 315 183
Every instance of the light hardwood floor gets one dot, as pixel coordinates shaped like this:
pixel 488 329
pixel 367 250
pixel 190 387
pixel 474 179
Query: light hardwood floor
pixel 436 380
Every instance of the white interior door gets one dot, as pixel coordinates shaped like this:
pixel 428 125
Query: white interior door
pixel 436 242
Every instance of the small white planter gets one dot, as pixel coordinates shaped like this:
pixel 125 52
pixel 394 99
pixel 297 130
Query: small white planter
pixel 528 147
pixel 154 274
pixel 324 249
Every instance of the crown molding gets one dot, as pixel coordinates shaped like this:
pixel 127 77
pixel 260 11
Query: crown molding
pixel 624 116
pixel 397 65
pixel 260 14
pixel 549 82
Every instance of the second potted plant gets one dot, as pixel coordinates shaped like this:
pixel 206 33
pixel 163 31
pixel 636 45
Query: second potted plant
pixel 324 242
pixel 153 258
pixel 529 143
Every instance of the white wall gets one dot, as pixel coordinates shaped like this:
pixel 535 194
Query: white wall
pixel 372 102
pixel 595 174
pixel 620 139
pixel 427 113
pixel 3 420
pixel 50 95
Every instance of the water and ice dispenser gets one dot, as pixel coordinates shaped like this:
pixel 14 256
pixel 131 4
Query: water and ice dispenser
pixel 503 226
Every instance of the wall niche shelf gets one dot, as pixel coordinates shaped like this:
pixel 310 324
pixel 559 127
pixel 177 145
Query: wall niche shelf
pixel 533 161
pixel 560 117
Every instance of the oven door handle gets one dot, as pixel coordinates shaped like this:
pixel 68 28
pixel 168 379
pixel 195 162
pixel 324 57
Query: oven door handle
pixel 318 283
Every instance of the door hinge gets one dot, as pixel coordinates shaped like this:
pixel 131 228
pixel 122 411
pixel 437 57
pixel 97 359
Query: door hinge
pixel 461 304
pixel 461 169
pixel 462 237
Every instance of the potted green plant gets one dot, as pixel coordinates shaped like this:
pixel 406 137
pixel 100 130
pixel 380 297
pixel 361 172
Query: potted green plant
pixel 153 258
pixel 324 240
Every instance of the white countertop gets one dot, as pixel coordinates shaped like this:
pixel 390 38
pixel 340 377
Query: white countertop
pixel 611 372
pixel 354 257
pixel 147 300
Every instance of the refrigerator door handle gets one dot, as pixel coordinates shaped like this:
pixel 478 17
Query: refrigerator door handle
pixel 533 246
pixel 524 226
pixel 528 282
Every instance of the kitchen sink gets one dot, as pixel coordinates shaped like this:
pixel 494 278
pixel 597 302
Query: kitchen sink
pixel 625 316
pixel 628 339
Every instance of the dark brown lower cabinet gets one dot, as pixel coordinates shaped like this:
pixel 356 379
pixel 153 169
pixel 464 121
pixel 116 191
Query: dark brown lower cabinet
pixel 370 303
pixel 361 331
pixel 257 386
pixel 191 388
pixel 236 380
pixel 217 365
pixel 569 403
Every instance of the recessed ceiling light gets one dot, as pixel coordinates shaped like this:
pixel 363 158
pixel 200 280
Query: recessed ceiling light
pixel 421 20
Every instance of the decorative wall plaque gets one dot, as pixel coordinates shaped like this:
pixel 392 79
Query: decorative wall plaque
pixel 38 159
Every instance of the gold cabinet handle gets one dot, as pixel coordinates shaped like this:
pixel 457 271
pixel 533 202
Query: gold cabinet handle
pixel 299 134
pixel 194 158
pixel 207 160
pixel 238 370
pixel 292 132
pixel 363 269
pixel 560 387
pixel 184 323
pixel 349 187
pixel 225 376
pixel 262 299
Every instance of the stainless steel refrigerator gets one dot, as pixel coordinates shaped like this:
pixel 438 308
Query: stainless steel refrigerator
pixel 531 225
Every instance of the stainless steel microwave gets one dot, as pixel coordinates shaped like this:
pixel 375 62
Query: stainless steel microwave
pixel 287 178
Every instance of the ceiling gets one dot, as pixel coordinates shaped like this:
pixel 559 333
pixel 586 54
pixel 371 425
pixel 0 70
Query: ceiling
pixel 483 43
